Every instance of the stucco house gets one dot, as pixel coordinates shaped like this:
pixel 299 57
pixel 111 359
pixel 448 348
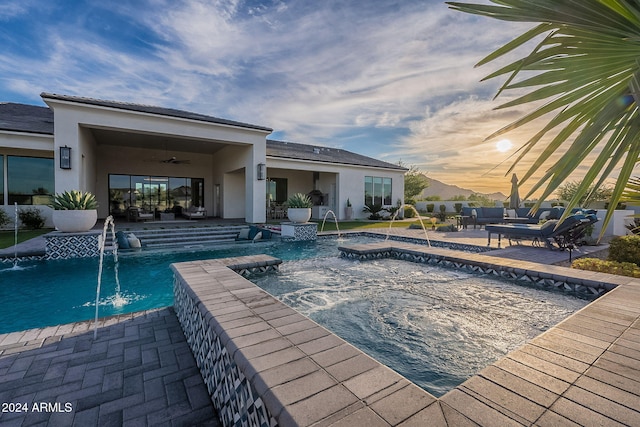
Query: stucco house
pixel 139 158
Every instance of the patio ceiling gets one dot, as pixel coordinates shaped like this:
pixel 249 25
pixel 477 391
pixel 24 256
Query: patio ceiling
pixel 167 143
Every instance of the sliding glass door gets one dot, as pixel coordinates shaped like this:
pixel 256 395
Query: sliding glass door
pixel 153 194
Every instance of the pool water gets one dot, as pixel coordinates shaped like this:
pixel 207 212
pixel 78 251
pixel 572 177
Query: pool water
pixel 48 293
pixel 435 326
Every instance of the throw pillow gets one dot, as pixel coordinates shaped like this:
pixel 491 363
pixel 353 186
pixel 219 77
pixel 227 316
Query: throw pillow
pixel 134 242
pixel 123 242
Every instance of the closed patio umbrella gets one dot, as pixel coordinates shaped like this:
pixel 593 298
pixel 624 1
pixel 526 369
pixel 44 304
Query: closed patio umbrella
pixel 514 198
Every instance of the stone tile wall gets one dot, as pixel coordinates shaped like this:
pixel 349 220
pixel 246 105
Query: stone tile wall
pixel 232 395
pixel 574 283
pixel 67 245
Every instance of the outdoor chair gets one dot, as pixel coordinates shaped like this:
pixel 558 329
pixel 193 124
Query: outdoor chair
pixel 568 233
pixel 195 212
pixel 138 214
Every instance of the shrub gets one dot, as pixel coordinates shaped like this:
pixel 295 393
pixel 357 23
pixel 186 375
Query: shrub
pixel 74 201
pixel 31 218
pixel 374 210
pixel 299 200
pixel 625 249
pixel 447 227
pixel 442 215
pixel 604 266
pixel 430 207
pixel 4 218
pixel 409 213
pixel 458 207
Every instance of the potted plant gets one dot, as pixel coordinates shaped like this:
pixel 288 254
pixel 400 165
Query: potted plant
pixel 299 208
pixel 74 211
pixel 348 211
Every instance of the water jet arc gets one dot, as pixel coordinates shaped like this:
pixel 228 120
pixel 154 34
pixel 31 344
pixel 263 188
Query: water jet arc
pixel 426 235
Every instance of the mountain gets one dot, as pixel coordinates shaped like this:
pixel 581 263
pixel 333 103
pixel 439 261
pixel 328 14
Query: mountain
pixel 448 191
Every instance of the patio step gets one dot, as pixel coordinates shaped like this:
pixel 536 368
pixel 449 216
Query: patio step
pixel 185 237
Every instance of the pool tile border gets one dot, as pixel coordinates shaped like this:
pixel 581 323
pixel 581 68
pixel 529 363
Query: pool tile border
pixel 287 370
pixel 580 282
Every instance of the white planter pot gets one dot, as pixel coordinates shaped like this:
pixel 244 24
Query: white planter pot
pixel 75 221
pixel 348 213
pixel 299 215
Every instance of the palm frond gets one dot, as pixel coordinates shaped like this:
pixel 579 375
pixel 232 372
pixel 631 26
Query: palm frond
pixel 584 70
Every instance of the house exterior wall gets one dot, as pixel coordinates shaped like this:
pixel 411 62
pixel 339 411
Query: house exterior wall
pixel 235 160
pixel 234 185
pixel 349 180
pixel 72 120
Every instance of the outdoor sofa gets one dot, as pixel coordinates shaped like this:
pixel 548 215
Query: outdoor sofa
pixel 487 215
pixel 194 212
pixel 481 216
pixel 552 234
pixel 525 216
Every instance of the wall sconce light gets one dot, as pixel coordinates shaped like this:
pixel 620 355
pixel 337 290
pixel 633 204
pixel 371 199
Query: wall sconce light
pixel 262 171
pixel 65 157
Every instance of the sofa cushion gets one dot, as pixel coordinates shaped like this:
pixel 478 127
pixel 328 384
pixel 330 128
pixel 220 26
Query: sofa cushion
pixel 467 211
pixel 253 230
pixel 555 213
pixel 266 234
pixel 134 242
pixel 123 242
pixel 244 234
pixel 486 212
pixel 523 212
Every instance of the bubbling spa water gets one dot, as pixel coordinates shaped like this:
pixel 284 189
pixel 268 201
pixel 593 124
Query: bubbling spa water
pixel 435 326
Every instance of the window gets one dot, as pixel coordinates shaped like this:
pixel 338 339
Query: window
pixel 30 180
pixel 277 190
pixel 153 193
pixel 377 191
pixel 1 179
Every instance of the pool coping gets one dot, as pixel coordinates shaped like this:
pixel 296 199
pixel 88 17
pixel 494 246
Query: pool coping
pixel 286 369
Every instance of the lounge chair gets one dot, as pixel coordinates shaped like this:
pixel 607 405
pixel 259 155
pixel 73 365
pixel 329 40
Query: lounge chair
pixel 568 233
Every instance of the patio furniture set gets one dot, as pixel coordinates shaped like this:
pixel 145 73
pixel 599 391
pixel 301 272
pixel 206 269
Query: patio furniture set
pixel 543 227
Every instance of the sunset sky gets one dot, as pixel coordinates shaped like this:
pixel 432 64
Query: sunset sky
pixel 393 80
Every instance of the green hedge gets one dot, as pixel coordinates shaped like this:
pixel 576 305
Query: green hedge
pixel 625 249
pixel 605 266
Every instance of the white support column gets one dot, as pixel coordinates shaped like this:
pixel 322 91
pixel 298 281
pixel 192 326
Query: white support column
pixel 256 190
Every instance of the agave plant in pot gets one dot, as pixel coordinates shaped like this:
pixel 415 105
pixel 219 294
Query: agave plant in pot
pixel 74 211
pixel 299 208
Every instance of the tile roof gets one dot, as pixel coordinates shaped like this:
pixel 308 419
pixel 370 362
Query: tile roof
pixel 170 112
pixel 26 118
pixel 292 150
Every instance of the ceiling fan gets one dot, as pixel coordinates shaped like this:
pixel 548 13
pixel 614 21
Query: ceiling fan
pixel 175 161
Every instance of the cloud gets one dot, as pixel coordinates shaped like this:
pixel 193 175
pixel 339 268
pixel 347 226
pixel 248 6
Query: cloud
pixel 393 81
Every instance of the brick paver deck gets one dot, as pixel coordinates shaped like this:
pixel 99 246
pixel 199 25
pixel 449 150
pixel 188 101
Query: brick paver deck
pixel 139 371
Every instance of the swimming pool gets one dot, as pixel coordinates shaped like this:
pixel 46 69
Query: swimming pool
pixel 434 325
pixel 47 293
